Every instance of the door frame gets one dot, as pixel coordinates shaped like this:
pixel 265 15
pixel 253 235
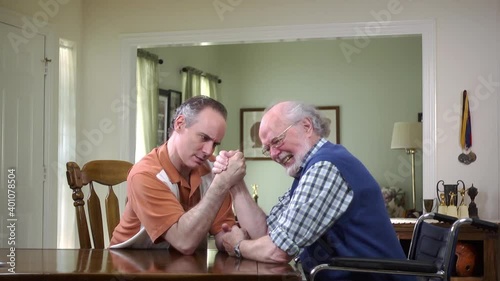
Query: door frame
pixel 49 231
pixel 426 28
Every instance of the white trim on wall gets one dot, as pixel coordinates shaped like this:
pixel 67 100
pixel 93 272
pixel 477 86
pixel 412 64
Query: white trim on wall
pixel 362 30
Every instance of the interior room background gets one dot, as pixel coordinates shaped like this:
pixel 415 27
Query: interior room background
pixel 375 88
pixel 466 58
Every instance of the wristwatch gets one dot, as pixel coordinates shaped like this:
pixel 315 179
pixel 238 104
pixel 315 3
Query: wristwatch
pixel 237 252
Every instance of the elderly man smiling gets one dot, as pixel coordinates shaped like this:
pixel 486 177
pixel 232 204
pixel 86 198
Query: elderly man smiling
pixel 333 208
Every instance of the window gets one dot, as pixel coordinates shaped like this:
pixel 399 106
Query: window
pixel 67 142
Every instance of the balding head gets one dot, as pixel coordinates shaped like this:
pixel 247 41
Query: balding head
pixel 274 114
pixel 293 112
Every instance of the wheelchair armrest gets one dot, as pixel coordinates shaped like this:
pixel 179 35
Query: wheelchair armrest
pixel 385 264
pixel 487 225
pixel 444 218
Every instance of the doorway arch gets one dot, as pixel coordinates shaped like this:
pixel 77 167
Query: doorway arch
pixel 362 31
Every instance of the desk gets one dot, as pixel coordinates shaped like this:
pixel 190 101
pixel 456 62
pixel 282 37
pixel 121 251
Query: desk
pixel 125 265
pixel 490 246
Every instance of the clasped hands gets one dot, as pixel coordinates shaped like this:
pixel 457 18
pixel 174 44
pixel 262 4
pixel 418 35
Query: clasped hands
pixel 226 162
pixel 222 161
pixel 232 236
pixel 230 167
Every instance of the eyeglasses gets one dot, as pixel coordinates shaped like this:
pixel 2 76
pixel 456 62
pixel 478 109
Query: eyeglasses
pixel 275 142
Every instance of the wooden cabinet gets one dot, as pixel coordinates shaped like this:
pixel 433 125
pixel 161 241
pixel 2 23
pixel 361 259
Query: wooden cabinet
pixel 487 244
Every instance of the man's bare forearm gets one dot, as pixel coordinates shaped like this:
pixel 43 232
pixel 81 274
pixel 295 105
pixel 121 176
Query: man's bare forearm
pixel 250 215
pixel 193 226
pixel 263 250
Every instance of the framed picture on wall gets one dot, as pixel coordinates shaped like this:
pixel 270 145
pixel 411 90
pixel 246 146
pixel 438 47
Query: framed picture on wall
pixel 332 113
pixel 168 102
pixel 250 143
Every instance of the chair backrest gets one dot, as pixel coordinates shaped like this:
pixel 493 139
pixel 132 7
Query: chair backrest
pixel 107 173
pixel 431 256
pixel 436 242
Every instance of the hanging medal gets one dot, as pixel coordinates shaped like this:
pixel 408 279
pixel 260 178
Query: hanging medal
pixel 467 156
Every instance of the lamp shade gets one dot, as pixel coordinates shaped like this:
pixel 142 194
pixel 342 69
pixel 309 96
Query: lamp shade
pixel 407 135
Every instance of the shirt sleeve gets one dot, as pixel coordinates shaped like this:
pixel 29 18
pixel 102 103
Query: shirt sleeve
pixel 155 205
pixel 276 210
pixel 320 198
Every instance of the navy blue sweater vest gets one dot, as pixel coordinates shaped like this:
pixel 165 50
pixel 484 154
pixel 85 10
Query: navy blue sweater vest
pixel 364 230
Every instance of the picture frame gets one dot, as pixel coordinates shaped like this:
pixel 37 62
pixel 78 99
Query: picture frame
pixel 333 114
pixel 250 143
pixel 168 102
pixel 250 118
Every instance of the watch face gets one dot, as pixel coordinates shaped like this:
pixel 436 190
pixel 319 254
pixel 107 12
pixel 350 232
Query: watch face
pixel 237 252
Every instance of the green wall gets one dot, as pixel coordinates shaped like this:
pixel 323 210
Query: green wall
pixel 376 85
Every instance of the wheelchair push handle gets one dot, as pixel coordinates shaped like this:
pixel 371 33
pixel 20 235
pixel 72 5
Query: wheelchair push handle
pixel 479 223
pixel 486 225
pixel 444 218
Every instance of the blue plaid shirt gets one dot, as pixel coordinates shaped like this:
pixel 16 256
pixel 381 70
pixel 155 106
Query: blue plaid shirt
pixel 320 198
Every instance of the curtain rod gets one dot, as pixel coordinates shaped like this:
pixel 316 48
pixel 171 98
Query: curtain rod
pixel 150 55
pixel 202 73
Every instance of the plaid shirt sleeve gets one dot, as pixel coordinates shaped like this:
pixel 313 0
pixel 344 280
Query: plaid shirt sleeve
pixel 320 198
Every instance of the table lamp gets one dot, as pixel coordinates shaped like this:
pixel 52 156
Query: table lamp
pixel 408 136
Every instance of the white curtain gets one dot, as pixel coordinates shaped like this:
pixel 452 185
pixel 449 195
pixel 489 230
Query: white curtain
pixel 191 84
pixel 147 103
pixel 195 83
pixel 66 225
pixel 209 87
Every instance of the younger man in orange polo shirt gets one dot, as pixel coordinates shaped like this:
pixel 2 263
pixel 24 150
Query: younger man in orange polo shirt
pixel 174 199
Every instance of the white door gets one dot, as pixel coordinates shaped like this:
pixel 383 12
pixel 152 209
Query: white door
pixel 21 138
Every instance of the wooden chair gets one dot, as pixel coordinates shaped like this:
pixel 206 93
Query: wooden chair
pixel 104 172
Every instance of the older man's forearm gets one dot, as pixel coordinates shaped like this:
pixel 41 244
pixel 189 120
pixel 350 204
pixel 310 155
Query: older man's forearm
pixel 250 216
pixel 263 250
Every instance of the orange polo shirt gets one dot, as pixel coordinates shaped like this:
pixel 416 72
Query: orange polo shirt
pixel 152 204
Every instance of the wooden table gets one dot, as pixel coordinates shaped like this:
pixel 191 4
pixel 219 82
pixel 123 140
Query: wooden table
pixel 124 265
pixel 490 258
